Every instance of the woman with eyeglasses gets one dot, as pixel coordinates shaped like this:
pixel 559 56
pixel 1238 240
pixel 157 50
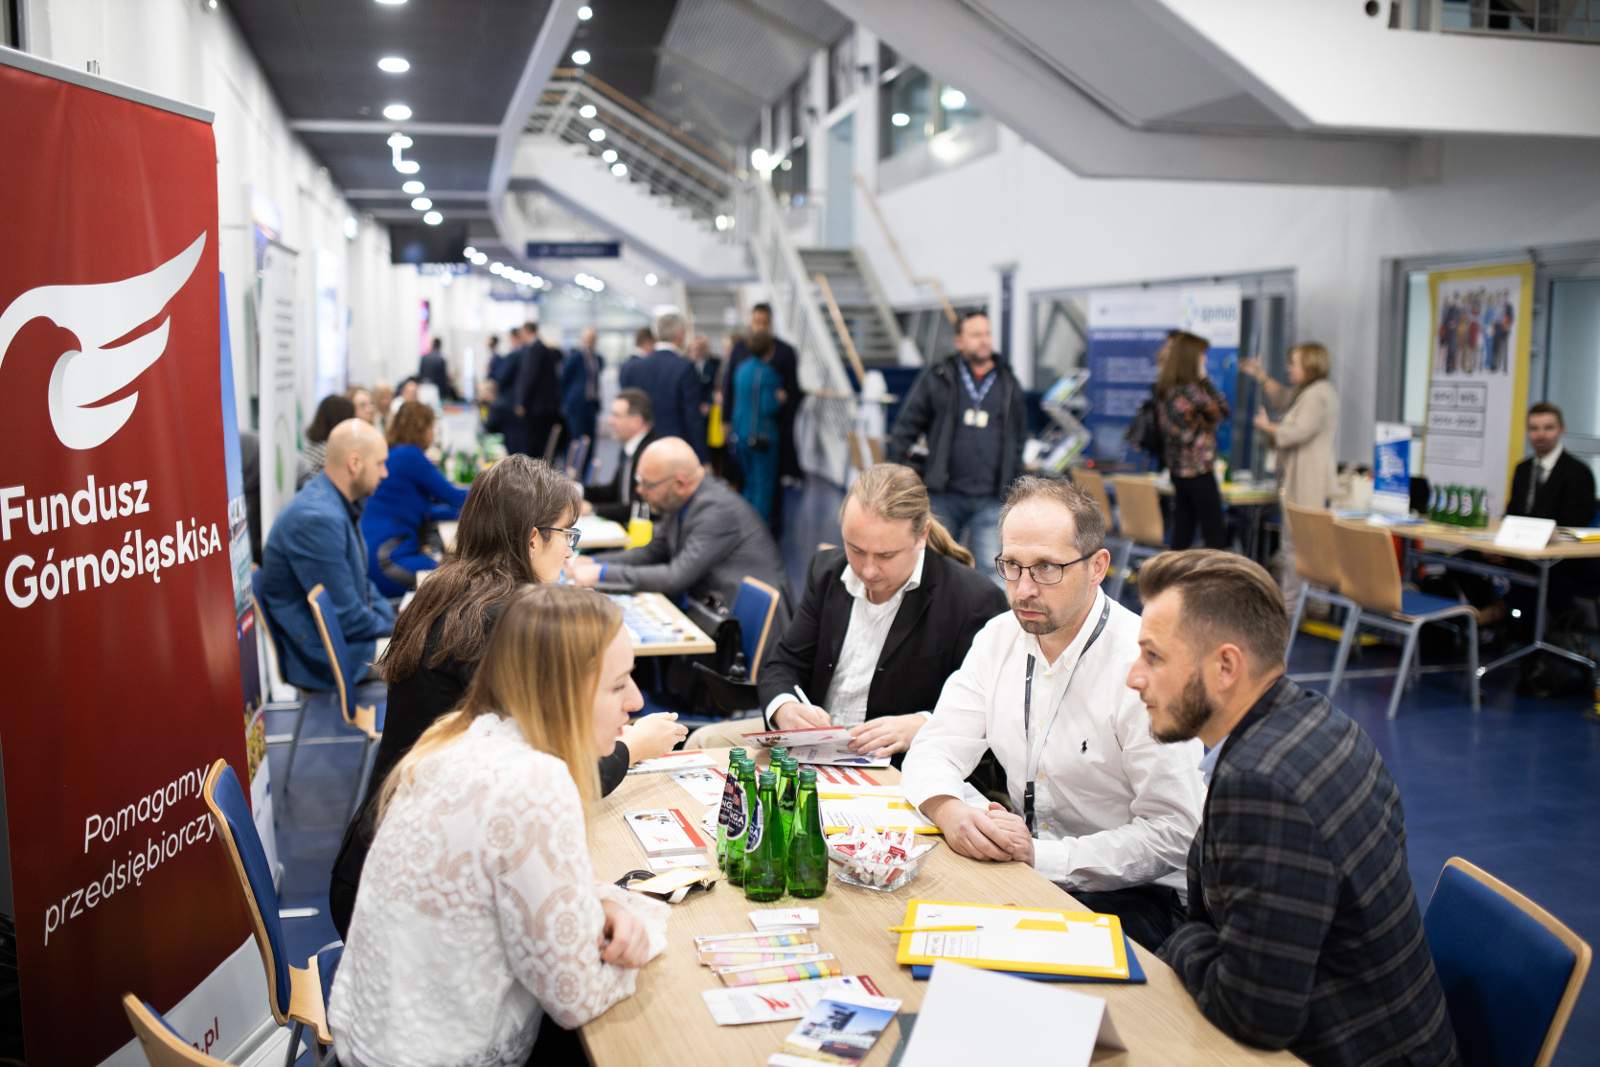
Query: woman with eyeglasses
pixel 516 529
pixel 482 915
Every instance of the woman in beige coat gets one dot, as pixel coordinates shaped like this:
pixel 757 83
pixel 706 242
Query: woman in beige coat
pixel 1303 437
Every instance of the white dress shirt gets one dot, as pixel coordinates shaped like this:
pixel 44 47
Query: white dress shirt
pixel 864 636
pixel 1113 807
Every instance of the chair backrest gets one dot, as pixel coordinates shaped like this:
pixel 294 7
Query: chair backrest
pixel 1511 971
pixel 1140 504
pixel 163 1046
pixel 755 607
pixel 238 831
pixel 256 582
pixel 875 448
pixel 577 452
pixel 338 652
pixel 1370 574
pixel 858 457
pixel 1094 483
pixel 1315 557
pixel 605 454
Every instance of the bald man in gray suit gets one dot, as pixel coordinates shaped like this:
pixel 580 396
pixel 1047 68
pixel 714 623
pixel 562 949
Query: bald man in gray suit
pixel 707 538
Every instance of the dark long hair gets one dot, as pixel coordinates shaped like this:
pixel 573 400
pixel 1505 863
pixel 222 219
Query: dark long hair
pixel 1185 356
pixel 507 502
pixel 331 412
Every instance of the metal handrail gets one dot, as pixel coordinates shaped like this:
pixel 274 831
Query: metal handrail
pixel 894 246
pixel 839 324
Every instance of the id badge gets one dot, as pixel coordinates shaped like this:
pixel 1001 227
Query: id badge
pixel 967 418
pixel 980 418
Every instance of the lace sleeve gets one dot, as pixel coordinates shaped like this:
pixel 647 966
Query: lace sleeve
pixel 546 902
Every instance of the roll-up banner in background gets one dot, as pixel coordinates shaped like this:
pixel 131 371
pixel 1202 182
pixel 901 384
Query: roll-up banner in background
pixel 1126 329
pixel 120 647
pixel 1478 379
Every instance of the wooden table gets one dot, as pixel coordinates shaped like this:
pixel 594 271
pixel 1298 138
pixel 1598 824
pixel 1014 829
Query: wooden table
pixel 692 641
pixel 1482 540
pixel 666 1020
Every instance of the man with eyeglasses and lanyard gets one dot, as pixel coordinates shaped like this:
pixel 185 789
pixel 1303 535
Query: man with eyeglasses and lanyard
pixel 1100 807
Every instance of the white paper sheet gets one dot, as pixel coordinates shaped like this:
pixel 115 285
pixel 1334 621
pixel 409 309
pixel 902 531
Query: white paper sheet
pixel 1034 1022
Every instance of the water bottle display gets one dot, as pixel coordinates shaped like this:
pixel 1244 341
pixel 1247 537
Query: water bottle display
pixel 807 859
pixel 764 877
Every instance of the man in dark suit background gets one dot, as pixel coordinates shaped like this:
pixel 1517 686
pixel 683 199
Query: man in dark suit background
pixel 580 385
pixel 1552 483
pixel 1304 931
pixel 433 368
pixel 632 423
pixel 503 415
pixel 784 362
pixel 537 392
pixel 669 377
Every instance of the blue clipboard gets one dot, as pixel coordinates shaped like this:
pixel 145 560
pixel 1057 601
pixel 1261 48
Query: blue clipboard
pixel 921 972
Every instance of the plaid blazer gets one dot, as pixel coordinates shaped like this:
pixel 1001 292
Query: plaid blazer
pixel 1304 932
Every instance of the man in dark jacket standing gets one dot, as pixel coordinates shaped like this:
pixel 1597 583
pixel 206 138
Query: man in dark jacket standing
pixel 537 392
pixel 1304 932
pixel 972 410
pixel 669 377
pixel 580 385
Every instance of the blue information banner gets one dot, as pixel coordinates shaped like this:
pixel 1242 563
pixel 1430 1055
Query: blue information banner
pixel 574 249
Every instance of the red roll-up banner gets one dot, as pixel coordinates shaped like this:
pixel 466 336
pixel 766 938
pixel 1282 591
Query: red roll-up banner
pixel 118 656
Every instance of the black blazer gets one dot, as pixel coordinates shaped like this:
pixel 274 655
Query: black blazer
pixel 927 641
pixel 614 499
pixel 1567 496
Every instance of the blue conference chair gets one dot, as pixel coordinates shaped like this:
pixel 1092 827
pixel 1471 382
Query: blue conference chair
pixel 269 629
pixel 368 718
pixel 295 995
pixel 1511 971
pixel 755 607
pixel 163 1046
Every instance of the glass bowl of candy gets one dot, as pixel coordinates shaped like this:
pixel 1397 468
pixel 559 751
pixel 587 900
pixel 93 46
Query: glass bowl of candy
pixel 883 860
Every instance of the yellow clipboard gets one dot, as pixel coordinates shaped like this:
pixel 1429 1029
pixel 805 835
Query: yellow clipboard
pixel 1119 952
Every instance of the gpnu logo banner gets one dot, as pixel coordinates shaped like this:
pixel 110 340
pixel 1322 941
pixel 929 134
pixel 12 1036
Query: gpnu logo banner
pixel 117 630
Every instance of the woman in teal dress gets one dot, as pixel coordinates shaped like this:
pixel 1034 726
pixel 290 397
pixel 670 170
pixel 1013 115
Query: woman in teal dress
pixel 757 389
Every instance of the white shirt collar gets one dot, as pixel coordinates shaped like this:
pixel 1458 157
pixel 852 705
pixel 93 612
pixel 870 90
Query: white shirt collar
pixel 1549 462
pixel 631 445
pixel 858 588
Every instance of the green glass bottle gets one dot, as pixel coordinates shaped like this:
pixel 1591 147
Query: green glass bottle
pixel 1480 515
pixel 730 784
pixel 778 755
pixel 788 794
pixel 807 860
pixel 764 877
pixel 739 819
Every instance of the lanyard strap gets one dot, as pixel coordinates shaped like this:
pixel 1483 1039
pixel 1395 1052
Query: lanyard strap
pixel 973 391
pixel 1032 762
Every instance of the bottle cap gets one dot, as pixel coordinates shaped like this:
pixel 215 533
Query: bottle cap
pixel 779 752
pixel 768 779
pixel 790 765
pixel 808 775
pixel 736 754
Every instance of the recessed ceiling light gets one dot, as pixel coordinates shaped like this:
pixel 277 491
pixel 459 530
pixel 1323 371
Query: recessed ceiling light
pixel 538 282
pixel 395 3
pixel 597 134
pixel 650 279
pixel 433 218
pixel 480 258
pixel 585 13
pixel 413 188
pixel 609 155
pixel 468 252
pixel 952 99
pixel 580 57
pixel 497 268
pixel 397 112
pixel 900 118
pixel 587 111
pixel 393 65
pixel 619 169
pixel 350 227
pixel 421 203
pixel 407 166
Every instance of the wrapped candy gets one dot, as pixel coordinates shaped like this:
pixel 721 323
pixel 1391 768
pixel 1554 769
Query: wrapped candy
pixel 879 859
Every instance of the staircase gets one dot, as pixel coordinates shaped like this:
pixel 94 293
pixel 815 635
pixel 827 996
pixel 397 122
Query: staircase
pixel 871 326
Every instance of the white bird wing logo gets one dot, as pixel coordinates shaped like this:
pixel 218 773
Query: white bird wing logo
pixel 97 315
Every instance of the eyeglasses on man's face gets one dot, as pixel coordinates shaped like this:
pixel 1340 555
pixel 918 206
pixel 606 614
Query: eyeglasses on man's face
pixel 645 487
pixel 571 535
pixel 1042 573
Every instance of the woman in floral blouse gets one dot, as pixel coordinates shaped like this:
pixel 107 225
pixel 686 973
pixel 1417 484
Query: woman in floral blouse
pixel 1189 409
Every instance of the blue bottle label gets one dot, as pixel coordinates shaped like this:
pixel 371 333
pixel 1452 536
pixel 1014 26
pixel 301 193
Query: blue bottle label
pixel 754 839
pixel 736 816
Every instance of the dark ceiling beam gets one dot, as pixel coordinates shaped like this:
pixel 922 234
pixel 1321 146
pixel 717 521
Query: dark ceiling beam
pixel 733 89
pixel 776 24
pixel 384 127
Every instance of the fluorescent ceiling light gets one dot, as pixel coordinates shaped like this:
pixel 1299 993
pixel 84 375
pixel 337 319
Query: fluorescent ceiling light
pixel 538 282
pixel 397 112
pixel 586 111
pixel 433 218
pixel 394 65
pixel 609 155
pixel 421 203
pixel 597 134
pixel 497 268
pixel 900 118
pixel 481 258
pixel 407 166
pixel 619 169
pixel 580 57
pixel 952 99
pixel 585 13
pixel 413 188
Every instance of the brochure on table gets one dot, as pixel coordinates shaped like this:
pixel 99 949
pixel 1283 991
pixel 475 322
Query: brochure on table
pixel 821 744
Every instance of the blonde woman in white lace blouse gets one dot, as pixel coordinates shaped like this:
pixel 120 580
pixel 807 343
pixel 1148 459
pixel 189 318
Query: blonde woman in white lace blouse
pixel 478 912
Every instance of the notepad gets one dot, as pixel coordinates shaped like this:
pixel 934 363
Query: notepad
pixel 1041 940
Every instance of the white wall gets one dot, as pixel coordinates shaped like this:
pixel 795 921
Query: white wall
pixel 1018 205
pixel 184 50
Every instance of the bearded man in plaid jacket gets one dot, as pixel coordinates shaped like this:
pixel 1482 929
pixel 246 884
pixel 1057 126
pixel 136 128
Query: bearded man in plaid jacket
pixel 1304 931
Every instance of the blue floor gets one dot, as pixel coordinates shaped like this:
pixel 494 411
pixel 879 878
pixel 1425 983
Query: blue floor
pixel 1514 788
